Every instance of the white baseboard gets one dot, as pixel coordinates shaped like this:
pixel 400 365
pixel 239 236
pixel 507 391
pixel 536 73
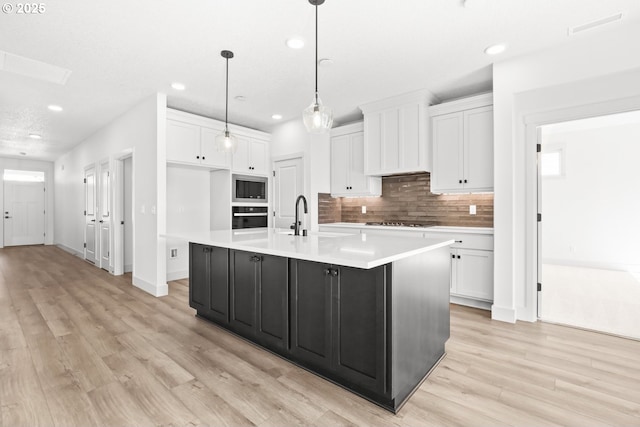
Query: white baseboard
pixel 503 314
pixel 177 275
pixel 70 250
pixel 155 290
pixel 470 302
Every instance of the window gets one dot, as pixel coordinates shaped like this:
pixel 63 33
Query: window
pixel 24 176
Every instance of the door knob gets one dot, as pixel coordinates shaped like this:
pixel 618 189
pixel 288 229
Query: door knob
pixel 7 217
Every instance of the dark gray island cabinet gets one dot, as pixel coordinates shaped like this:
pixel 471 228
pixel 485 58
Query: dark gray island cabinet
pixel 376 331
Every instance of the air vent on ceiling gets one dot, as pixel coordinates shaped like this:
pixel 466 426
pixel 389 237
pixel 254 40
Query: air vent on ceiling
pixel 31 68
pixel 594 24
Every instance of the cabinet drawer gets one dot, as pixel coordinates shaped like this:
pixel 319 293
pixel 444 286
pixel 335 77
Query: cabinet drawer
pixel 465 240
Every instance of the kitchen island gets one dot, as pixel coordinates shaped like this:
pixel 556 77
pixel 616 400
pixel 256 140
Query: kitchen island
pixel 370 313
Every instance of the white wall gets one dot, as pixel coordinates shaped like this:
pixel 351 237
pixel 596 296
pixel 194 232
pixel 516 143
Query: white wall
pixel 592 209
pixel 188 205
pixel 142 130
pixel 578 73
pixel 31 165
pixel 292 138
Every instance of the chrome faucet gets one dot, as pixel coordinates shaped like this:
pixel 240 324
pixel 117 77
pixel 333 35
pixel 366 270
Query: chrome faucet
pixel 296 225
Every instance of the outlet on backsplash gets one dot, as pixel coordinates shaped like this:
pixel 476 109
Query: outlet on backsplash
pixel 408 199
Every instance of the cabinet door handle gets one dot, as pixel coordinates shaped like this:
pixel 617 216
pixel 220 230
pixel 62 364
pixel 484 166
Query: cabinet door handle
pixel 327 271
pixel 465 181
pixel 458 241
pixel 197 157
pixel 202 157
pixel 459 181
pixel 256 258
pixel 453 256
pixel 458 256
pixel 334 272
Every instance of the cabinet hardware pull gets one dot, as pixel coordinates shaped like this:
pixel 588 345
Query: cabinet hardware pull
pixel 197 157
pixel 465 181
pixel 453 256
pixel 458 256
pixel 459 181
pixel 202 157
pixel 334 272
pixel 327 271
pixel 458 241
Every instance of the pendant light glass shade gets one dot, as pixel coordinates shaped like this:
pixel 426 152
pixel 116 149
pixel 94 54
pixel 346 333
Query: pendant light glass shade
pixel 225 142
pixel 316 117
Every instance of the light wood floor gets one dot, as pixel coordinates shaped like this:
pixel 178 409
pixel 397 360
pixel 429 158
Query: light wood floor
pixel 79 347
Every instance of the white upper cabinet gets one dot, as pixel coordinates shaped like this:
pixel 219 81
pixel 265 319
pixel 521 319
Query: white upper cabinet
pixel 251 157
pixel 191 140
pixel 396 134
pixel 462 138
pixel 347 164
pixel 183 142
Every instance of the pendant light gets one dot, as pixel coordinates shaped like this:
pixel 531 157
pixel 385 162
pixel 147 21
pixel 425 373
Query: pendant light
pixel 225 142
pixel 317 118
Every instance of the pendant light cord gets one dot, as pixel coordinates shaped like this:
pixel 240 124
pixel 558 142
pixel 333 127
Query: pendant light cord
pixel 316 54
pixel 226 105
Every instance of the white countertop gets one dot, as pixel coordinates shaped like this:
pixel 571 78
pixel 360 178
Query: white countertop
pixel 352 250
pixel 439 228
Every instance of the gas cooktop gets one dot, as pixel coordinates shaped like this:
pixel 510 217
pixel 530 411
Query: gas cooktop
pixel 397 224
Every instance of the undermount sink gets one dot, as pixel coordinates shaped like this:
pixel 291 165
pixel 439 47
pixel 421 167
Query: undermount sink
pixel 314 233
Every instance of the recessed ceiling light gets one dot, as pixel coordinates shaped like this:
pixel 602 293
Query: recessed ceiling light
pixel 240 98
pixel 277 117
pixel 56 108
pixel 295 43
pixel 495 49
pixel 34 136
pixel 178 86
pixel 22 153
pixel 325 62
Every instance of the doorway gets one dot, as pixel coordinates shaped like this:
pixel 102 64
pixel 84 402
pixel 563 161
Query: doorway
pixel 24 207
pixel 288 184
pixel 589 258
pixel 90 214
pixel 104 208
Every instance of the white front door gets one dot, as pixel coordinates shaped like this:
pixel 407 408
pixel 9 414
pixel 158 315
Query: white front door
pixel 287 186
pixel 90 215
pixel 23 213
pixel 105 216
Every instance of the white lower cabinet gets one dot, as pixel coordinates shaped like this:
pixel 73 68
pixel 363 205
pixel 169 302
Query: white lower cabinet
pixel 472 274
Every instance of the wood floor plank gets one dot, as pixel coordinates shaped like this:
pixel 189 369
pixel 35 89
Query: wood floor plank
pixel 80 347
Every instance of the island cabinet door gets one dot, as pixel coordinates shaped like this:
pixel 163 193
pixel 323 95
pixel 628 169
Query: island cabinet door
pixel 209 281
pixel 311 313
pixel 359 324
pixel 243 291
pixel 272 304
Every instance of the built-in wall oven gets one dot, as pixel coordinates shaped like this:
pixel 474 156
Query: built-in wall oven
pixel 249 189
pixel 249 216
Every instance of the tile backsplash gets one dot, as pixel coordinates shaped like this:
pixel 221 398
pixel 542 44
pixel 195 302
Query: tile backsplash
pixel 408 199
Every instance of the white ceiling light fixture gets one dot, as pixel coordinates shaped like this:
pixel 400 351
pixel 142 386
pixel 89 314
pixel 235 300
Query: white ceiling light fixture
pixel 178 86
pixel 495 49
pixel 35 136
pixel 295 43
pixel 225 142
pixel 594 24
pixel 277 117
pixel 317 118
pixel 55 108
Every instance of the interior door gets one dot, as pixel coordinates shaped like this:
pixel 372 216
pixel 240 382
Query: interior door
pixel 287 186
pixel 90 214
pixel 105 216
pixel 24 213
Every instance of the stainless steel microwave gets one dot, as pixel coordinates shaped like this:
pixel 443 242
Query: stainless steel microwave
pixel 252 189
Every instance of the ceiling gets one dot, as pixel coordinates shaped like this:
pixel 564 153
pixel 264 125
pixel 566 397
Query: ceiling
pixel 121 51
